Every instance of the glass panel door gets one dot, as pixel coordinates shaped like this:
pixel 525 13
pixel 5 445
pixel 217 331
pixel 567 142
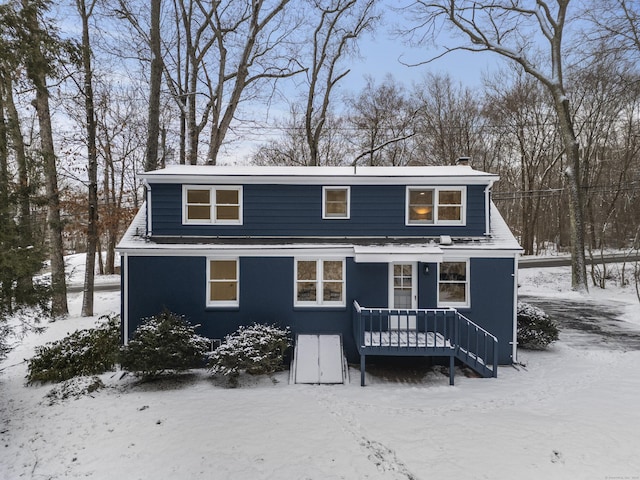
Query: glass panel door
pixel 403 294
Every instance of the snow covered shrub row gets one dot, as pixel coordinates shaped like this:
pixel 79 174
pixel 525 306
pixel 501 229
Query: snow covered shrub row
pixel 536 331
pixel 256 349
pixel 83 352
pixel 164 343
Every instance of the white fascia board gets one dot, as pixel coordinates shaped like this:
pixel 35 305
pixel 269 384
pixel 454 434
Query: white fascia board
pixel 205 175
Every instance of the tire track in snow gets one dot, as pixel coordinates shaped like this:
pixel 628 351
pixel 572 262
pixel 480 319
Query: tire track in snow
pixel 384 458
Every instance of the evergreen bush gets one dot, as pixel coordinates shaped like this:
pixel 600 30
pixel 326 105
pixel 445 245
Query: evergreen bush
pixel 536 331
pixel 164 343
pixel 83 352
pixel 257 349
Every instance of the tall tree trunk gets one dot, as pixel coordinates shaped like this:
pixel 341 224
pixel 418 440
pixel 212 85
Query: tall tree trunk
pixel 92 167
pixel 151 160
pixel 37 72
pixel 576 209
pixel 25 234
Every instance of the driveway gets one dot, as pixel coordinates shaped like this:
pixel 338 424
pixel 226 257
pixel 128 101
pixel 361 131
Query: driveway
pixel 589 324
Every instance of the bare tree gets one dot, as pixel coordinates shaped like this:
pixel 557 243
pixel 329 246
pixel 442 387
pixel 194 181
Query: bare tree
pixel 449 122
pixel 340 24
pixel 511 30
pixel 522 113
pixel 85 11
pixel 155 81
pixel 383 118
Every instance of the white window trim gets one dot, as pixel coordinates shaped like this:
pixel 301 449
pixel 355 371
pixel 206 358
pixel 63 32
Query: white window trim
pixel 319 281
pixel 436 220
pixel 467 289
pixel 212 214
pixel 217 303
pixel 324 202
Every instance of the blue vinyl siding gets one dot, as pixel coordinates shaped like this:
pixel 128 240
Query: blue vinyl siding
pixel 296 210
pixel 266 296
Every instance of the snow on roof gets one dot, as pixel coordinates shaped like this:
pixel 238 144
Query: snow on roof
pixel 261 174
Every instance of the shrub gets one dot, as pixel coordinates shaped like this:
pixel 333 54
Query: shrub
pixel 83 352
pixel 257 349
pixel 536 331
pixel 164 343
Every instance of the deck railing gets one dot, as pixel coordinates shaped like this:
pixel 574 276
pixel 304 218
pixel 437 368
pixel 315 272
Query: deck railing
pixel 428 332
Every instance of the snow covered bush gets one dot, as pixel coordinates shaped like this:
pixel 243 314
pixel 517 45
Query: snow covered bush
pixel 256 349
pixel 536 331
pixel 164 343
pixel 83 352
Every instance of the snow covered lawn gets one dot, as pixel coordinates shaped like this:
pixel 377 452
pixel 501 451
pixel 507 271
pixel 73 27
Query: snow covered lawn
pixel 569 414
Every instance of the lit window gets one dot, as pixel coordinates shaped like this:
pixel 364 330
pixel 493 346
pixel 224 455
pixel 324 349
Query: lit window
pixel 420 206
pixel 319 282
pixel 335 202
pixel 223 283
pixel 439 206
pixel 453 284
pixel 204 205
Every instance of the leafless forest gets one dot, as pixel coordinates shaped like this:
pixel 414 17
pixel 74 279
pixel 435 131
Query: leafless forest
pixel 93 91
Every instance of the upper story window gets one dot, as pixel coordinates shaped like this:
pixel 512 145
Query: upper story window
pixel 219 204
pixel 435 206
pixel 319 283
pixel 335 202
pixel 453 284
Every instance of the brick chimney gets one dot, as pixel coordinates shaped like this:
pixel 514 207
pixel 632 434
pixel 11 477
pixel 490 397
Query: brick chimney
pixel 463 161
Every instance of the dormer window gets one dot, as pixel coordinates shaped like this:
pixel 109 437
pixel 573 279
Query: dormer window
pixel 435 206
pixel 335 202
pixel 206 205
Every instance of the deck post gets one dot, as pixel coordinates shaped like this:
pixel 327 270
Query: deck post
pixel 452 369
pixel 362 362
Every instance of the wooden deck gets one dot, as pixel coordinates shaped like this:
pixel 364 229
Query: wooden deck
pixel 424 332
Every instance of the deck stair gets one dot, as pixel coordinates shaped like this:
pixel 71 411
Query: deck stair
pixel 425 332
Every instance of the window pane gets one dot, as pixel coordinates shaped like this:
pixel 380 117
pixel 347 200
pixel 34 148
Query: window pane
pixel 227 213
pixel 223 270
pixel 336 195
pixel 223 291
pixel 336 209
pixel 332 292
pixel 450 197
pixel 452 292
pixel 306 270
pixel 449 213
pixel 421 206
pixel 332 270
pixel 198 196
pixel 306 291
pixel 453 271
pixel 421 197
pixel 227 197
pixel 198 212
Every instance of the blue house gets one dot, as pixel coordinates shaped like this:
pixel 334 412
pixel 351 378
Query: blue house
pixel 403 261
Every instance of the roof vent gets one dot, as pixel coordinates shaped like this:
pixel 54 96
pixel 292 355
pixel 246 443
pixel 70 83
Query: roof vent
pixel 445 240
pixel 463 161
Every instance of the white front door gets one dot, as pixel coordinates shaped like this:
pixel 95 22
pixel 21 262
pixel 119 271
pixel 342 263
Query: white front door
pixel 403 294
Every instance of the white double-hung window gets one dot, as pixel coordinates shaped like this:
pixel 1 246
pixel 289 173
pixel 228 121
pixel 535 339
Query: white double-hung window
pixel 436 206
pixel 212 204
pixel 319 282
pixel 453 284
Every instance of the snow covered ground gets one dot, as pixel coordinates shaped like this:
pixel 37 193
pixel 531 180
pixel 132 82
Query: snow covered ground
pixel 570 413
